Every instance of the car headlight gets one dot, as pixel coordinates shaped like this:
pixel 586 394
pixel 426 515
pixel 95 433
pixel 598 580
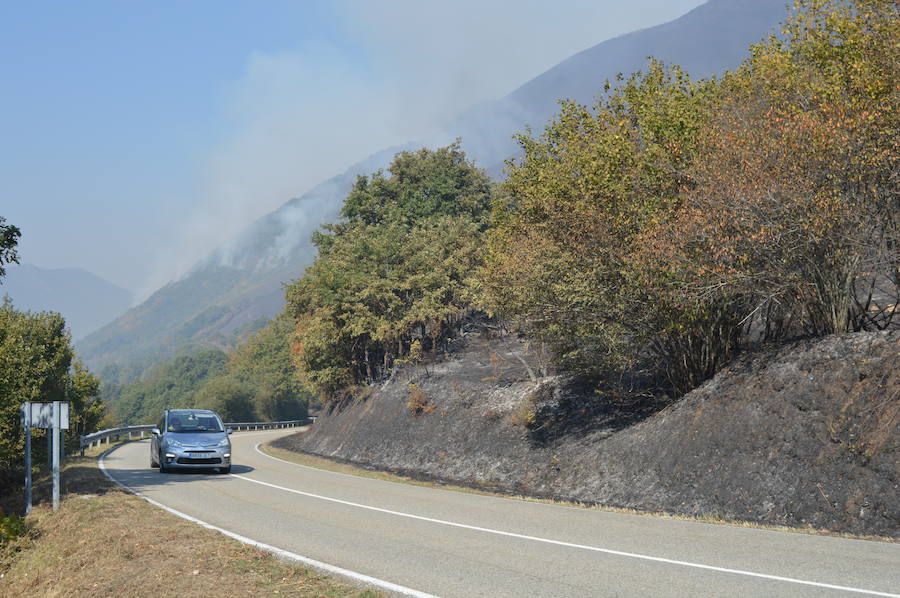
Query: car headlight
pixel 175 443
pixel 223 442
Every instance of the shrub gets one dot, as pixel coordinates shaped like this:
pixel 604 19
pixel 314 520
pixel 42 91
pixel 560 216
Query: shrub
pixel 525 413
pixel 11 527
pixel 418 400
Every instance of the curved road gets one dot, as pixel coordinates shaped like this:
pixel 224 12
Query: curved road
pixel 444 543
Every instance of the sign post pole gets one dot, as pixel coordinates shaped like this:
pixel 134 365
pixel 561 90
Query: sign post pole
pixel 54 432
pixel 26 424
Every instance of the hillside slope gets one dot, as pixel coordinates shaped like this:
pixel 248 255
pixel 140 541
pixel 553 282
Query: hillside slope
pixel 706 41
pixel 242 280
pixel 231 292
pixel 807 434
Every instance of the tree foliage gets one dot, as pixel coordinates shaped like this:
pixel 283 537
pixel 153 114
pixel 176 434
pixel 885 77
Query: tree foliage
pixel 260 381
pixel 421 185
pixel 574 209
pixel 394 270
pixel 9 238
pixel 36 364
pixel 170 385
pixel 256 381
pixel 679 220
pixel 228 396
pixel 796 206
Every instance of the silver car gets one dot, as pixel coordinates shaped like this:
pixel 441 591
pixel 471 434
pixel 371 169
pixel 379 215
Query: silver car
pixel 190 438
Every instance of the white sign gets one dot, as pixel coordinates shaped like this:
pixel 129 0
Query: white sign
pixel 40 415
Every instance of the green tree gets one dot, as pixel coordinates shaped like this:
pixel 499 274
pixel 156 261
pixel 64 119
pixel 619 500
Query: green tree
pixel 231 398
pixel 9 238
pixel 395 270
pixel 265 363
pixel 170 385
pixel 36 365
pixel 86 406
pixel 573 212
pixel 421 185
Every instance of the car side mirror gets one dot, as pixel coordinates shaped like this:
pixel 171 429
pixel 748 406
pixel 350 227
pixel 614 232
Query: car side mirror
pixel 229 430
pixel 155 431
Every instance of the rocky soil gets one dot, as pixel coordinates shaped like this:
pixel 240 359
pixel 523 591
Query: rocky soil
pixel 803 434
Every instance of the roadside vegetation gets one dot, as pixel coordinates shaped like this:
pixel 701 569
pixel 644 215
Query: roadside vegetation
pixel 37 363
pixel 156 552
pixel 393 273
pixel 254 382
pixel 642 241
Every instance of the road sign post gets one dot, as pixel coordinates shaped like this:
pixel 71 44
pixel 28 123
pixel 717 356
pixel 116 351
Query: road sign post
pixel 25 411
pixel 54 434
pixel 53 417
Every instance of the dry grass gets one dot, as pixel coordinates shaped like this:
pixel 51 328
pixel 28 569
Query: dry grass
pixel 346 468
pixel 106 542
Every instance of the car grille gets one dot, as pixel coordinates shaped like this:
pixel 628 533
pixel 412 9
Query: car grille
pixel 198 460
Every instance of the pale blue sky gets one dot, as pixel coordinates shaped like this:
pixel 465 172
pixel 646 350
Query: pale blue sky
pixel 137 136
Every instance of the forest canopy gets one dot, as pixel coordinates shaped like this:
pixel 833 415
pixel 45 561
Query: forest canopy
pixel 393 272
pixel 678 220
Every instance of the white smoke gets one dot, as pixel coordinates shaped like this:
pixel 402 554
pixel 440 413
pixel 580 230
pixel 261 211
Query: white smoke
pixel 298 118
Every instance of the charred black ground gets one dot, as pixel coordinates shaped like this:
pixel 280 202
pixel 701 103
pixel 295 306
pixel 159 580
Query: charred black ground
pixel 805 434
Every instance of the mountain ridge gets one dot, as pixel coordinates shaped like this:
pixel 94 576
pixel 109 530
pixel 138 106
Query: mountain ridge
pixel 85 300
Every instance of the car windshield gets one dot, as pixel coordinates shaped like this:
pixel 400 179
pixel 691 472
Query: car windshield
pixel 193 423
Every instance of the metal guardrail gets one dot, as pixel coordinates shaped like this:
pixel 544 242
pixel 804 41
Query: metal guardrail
pixel 97 438
pixel 270 425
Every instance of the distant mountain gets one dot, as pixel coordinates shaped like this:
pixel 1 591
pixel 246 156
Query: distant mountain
pixel 84 299
pixel 708 40
pixel 240 284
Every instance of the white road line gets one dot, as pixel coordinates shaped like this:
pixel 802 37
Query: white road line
pixel 259 432
pixel 317 470
pixel 280 552
pixel 571 545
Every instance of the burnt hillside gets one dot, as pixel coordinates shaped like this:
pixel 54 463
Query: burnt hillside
pixel 804 434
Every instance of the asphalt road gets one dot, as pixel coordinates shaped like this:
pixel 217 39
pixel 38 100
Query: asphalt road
pixel 448 544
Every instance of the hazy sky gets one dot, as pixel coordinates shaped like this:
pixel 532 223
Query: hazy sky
pixel 137 136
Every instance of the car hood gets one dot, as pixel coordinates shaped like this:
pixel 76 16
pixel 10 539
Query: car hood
pixel 200 439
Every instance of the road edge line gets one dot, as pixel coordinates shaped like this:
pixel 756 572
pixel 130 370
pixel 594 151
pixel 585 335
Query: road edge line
pixel 609 551
pixel 279 552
